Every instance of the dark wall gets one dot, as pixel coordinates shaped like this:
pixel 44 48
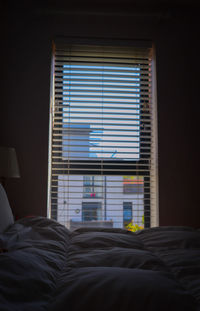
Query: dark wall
pixel 25 88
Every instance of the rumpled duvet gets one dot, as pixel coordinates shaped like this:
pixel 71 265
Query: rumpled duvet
pixel 45 267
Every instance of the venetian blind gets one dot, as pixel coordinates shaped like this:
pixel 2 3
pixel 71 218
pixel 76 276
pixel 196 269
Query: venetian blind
pixel 102 136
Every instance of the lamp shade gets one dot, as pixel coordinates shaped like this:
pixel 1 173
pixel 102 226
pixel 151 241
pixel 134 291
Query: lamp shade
pixel 9 167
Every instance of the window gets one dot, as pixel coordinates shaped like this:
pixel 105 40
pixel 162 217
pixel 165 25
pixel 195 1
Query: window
pixel 127 213
pixel 91 211
pixel 102 134
pixel 92 186
pixel 133 184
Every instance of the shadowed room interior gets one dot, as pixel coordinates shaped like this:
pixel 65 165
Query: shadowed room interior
pixel 87 259
pixel 27 31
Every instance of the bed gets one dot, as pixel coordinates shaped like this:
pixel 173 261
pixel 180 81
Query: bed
pixel 46 267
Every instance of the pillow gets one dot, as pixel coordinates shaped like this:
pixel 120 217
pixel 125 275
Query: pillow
pixel 6 216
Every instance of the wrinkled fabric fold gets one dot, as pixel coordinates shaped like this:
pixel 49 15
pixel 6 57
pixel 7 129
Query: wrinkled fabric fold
pixel 48 268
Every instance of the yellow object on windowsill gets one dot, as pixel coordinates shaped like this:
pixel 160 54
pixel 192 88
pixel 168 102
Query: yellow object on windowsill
pixel 134 227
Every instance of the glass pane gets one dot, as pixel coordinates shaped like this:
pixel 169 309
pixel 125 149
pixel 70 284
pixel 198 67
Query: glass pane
pixel 94 109
pixel 105 204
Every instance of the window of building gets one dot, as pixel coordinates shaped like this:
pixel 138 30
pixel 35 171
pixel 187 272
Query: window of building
pixel 133 184
pixel 92 186
pixel 91 211
pixel 102 133
pixel 127 213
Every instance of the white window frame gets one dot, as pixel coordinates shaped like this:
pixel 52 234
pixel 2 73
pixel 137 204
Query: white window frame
pixel 154 216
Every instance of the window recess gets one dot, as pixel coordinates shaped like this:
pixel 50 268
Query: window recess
pixel 102 136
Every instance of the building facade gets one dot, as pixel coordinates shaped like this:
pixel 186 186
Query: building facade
pixel 113 201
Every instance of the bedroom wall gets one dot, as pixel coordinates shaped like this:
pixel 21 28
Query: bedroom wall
pixel 24 118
